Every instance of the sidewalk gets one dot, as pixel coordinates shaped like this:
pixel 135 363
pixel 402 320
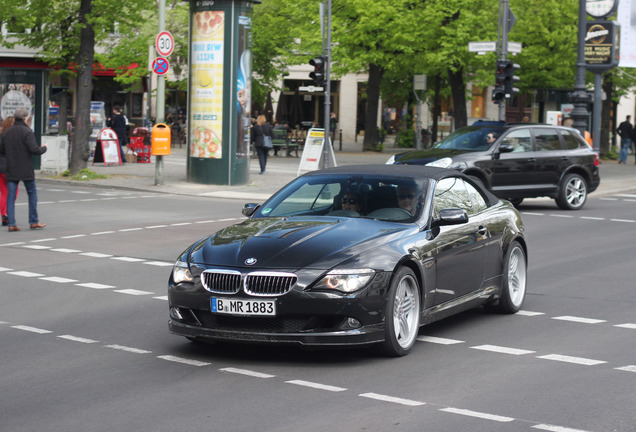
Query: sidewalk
pixel 280 171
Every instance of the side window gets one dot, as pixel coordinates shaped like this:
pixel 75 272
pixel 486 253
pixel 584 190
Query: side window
pixel 451 193
pixel 519 139
pixel 479 203
pixel 570 140
pixel 547 139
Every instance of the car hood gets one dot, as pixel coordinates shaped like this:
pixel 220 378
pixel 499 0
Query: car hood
pixel 297 242
pixel 422 157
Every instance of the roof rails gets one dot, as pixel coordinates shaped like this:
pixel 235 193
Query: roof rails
pixel 489 123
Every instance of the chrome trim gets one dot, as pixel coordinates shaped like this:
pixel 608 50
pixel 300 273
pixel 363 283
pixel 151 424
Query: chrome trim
pixel 229 281
pixel 257 283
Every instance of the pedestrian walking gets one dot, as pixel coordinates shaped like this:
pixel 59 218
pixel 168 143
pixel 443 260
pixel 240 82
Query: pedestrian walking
pixel 7 122
pixel 118 123
pixel 260 131
pixel 625 131
pixel 17 145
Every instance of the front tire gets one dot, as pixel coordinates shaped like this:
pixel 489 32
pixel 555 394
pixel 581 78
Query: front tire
pixel 513 289
pixel 402 315
pixel 572 193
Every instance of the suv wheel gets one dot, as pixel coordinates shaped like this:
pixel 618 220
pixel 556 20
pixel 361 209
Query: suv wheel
pixel 572 193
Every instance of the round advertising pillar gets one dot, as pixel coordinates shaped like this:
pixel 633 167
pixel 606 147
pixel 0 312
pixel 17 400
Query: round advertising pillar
pixel 219 97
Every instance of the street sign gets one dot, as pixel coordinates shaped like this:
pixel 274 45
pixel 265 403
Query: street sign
pixel 482 46
pixel 160 66
pixel 419 82
pixel 311 89
pixel 514 47
pixel 164 43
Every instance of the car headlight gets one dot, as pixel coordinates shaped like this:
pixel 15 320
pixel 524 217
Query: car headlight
pixel 345 280
pixel 181 272
pixel 391 160
pixel 448 163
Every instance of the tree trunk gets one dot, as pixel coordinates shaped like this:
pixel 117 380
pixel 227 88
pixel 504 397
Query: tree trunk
pixel 437 107
pixel 373 103
pixel 80 151
pixel 606 109
pixel 458 89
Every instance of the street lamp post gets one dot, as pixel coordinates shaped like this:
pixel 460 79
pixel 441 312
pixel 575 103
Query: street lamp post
pixel 580 97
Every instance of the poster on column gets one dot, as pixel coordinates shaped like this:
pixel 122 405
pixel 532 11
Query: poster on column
pixel 206 107
pixel 14 96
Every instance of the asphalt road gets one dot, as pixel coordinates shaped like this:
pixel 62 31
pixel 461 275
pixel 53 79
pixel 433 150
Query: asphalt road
pixel 84 344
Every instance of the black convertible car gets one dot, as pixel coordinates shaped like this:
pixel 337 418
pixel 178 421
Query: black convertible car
pixel 353 255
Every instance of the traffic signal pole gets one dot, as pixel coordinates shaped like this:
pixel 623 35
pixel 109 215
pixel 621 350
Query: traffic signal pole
pixel 327 118
pixel 503 47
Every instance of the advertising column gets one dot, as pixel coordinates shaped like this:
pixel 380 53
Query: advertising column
pixel 219 92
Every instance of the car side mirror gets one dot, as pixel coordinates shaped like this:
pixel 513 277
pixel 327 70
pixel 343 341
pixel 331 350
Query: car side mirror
pixel 506 148
pixel 249 209
pixel 451 217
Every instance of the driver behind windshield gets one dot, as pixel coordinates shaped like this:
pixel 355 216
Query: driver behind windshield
pixel 490 138
pixel 351 201
pixel 408 196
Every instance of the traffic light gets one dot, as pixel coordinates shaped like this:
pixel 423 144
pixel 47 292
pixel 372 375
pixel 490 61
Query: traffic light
pixel 511 79
pixel 318 75
pixel 499 92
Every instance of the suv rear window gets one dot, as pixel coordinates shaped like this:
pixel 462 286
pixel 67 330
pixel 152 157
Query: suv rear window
pixel 571 143
pixel 546 139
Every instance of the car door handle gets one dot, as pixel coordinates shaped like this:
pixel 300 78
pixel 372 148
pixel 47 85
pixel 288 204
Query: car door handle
pixel 532 160
pixel 482 230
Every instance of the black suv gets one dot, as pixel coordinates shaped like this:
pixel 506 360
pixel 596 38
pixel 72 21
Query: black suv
pixel 518 160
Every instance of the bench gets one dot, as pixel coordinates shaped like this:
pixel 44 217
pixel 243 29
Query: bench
pixel 281 140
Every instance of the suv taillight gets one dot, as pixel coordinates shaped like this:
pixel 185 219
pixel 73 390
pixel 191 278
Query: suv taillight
pixel 597 162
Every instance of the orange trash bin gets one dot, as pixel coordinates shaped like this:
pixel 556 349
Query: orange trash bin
pixel 160 140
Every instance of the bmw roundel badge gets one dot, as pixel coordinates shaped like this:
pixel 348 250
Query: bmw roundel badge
pixel 250 261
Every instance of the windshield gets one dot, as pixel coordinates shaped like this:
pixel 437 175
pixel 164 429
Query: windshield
pixel 346 195
pixel 470 138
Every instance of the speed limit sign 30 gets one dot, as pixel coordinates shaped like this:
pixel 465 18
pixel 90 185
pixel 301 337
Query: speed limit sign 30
pixel 164 43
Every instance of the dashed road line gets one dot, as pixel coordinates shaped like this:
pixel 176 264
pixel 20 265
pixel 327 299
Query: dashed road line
pixel 184 360
pixel 58 279
pixel 133 292
pixel 627 326
pixel 78 339
pixel 570 359
pixel 502 350
pixel 477 414
pixel 31 329
pixel 438 340
pixel 247 372
pixel 316 385
pixel 94 285
pixel 553 428
pixel 128 349
pixel 579 319
pixel 392 399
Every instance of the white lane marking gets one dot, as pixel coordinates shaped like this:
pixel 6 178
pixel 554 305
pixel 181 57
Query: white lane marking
pixel 26 274
pixel 42 240
pixel 247 372
pixel 164 298
pixel 64 250
pixel 133 292
pixel 477 414
pixel 130 229
pixel 128 259
pixel 77 339
pixel 502 350
pixel 593 218
pixel 183 360
pixel 80 192
pixel 533 213
pixel 630 368
pixel 12 244
pixel 181 224
pixel 36 247
pixel 608 199
pixel 553 428
pixel 529 313
pixel 156 226
pixel 438 340
pixel 95 285
pixel 623 220
pixel 627 326
pixel 74 236
pixel 159 263
pixel 316 385
pixel 67 201
pixel 31 329
pixel 626 195
pixel 58 279
pixel 385 398
pixel 89 199
pixel 561 216
pixel 570 359
pixel 204 222
pixel 96 255
pixel 579 319
pixel 5 269
pixel 102 233
pixel 128 349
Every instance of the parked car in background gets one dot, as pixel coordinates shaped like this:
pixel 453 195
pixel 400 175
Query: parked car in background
pixel 522 161
pixel 357 255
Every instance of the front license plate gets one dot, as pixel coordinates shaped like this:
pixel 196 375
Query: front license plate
pixel 243 307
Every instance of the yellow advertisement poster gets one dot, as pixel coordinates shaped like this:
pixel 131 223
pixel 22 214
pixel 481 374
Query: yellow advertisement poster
pixel 206 108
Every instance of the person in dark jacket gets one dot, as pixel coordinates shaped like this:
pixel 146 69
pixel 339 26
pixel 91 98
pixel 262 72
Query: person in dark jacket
pixel 261 129
pixel 7 122
pixel 17 145
pixel 118 123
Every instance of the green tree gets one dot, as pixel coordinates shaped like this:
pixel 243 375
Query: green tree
pixel 64 32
